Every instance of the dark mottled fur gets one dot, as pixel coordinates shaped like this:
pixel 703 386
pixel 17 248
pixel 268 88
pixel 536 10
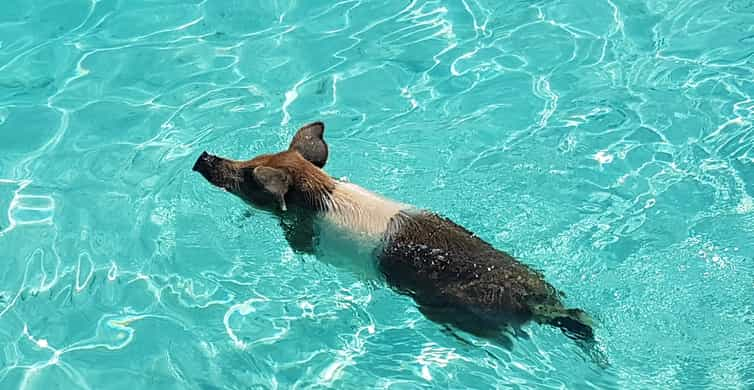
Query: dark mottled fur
pixel 461 279
pixel 454 276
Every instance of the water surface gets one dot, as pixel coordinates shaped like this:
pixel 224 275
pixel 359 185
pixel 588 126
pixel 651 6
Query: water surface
pixel 607 143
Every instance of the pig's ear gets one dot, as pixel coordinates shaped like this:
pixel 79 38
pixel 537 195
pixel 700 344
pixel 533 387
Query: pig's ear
pixel 275 181
pixel 309 142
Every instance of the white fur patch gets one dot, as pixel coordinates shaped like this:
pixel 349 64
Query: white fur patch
pixel 353 226
pixel 361 212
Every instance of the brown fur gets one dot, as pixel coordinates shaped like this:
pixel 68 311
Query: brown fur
pixel 310 186
pixel 310 183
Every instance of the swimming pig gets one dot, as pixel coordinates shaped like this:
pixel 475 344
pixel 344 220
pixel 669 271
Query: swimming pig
pixel 454 276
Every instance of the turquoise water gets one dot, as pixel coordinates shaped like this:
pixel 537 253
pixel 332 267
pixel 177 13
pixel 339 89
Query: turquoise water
pixel 607 143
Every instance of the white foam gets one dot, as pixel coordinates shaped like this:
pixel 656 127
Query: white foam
pixel 603 157
pixel 746 205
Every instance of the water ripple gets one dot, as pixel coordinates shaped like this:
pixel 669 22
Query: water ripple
pixel 609 144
